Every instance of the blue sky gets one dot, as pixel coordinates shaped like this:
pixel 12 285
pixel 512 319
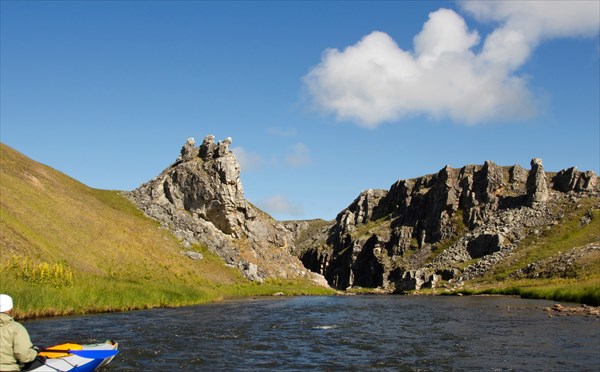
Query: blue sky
pixel 322 99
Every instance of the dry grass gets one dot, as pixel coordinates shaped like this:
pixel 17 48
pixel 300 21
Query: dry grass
pixel 67 248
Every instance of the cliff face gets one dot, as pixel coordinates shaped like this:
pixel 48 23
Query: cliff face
pixel 201 200
pixel 454 225
pixel 426 229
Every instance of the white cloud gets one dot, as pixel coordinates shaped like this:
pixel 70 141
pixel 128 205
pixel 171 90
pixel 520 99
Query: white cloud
pixel 523 24
pixel 278 204
pixel 249 161
pixel 375 80
pixel 444 32
pixel 540 19
pixel 298 156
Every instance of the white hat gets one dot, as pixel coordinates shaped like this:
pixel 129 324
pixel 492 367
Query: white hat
pixel 6 303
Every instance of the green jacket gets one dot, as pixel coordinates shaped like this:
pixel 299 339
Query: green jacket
pixel 15 344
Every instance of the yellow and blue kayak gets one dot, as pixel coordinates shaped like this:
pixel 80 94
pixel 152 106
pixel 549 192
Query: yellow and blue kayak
pixel 77 357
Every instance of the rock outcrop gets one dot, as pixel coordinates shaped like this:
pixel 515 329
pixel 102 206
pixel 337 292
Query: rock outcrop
pixel 573 180
pixel 537 185
pixel 446 227
pixel 427 229
pixel 201 200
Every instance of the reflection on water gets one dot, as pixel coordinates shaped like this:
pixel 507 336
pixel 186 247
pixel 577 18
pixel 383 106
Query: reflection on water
pixel 348 333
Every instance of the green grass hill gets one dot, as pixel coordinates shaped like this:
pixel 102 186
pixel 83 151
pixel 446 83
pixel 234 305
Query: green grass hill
pixel 67 248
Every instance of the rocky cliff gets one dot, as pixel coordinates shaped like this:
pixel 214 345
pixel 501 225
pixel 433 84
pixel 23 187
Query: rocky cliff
pixel 453 226
pixel 201 200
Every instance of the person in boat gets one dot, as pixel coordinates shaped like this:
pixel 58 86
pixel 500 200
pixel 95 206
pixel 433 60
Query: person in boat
pixel 16 350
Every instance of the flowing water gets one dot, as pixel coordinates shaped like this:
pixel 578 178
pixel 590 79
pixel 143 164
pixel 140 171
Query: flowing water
pixel 340 333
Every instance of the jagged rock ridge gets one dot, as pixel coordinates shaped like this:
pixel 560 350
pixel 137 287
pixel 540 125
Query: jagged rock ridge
pixel 201 200
pixel 413 235
pixel 421 230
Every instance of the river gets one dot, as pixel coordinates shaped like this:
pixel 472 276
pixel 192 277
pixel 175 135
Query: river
pixel 340 333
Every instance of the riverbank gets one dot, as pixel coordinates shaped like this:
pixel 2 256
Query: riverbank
pixel 582 291
pixel 93 251
pixel 43 301
pixel 42 290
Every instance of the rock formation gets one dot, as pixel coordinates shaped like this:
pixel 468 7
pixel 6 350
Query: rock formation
pixel 537 186
pixel 451 226
pixel 573 180
pixel 424 230
pixel 201 200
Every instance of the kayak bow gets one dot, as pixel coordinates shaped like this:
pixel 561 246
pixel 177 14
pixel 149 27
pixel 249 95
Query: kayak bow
pixel 77 357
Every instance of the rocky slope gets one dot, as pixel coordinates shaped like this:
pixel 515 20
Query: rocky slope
pixel 201 200
pixel 453 226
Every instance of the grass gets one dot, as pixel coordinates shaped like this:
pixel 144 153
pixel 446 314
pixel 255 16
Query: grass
pixel 270 287
pixel 559 238
pixel 100 294
pixel 57 275
pixel 66 248
pixel 565 290
pixel 583 284
pixel 67 293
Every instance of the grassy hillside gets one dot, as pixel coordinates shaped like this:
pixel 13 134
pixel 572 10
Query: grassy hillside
pixel 575 277
pixel 67 248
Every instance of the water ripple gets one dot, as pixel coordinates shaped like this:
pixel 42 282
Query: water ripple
pixel 384 333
